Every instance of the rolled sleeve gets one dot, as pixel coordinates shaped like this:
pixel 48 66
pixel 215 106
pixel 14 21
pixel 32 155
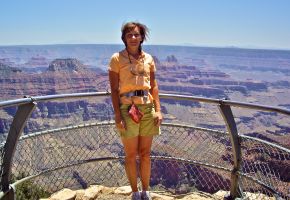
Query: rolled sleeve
pixel 114 63
pixel 152 65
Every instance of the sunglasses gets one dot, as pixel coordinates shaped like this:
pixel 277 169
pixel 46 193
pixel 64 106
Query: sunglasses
pixel 131 35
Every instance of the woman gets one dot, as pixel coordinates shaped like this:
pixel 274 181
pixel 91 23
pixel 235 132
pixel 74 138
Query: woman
pixel 132 80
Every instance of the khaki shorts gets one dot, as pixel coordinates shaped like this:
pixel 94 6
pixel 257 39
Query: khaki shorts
pixel 145 128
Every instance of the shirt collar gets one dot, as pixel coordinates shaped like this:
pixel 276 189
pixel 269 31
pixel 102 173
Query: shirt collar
pixel 125 54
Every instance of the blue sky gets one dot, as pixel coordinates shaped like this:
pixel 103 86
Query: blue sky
pixel 240 23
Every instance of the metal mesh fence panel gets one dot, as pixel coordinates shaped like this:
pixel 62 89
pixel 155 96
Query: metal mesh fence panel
pixel 184 159
pixel 269 126
pixel 199 144
pixel 64 147
pixel 204 146
pixel 266 164
pixel 75 157
pixel 180 177
pixel 108 172
pixel 253 190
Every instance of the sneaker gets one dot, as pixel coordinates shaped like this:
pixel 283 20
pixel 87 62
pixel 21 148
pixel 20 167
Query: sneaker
pixel 145 195
pixel 136 196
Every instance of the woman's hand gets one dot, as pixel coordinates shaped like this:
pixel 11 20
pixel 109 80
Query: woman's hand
pixel 158 118
pixel 120 123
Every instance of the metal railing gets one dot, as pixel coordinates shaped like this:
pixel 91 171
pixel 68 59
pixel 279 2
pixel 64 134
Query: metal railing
pixel 184 157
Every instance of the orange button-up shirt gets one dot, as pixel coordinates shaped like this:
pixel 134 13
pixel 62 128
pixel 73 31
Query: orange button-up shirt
pixel 134 75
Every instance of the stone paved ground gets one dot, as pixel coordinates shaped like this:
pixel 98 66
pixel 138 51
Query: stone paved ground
pixel 100 192
pixel 121 193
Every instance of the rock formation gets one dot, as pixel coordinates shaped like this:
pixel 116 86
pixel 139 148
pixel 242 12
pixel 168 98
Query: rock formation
pixel 8 70
pixel 68 64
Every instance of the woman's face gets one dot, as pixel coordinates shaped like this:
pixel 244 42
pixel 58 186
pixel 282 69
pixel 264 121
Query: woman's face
pixel 133 38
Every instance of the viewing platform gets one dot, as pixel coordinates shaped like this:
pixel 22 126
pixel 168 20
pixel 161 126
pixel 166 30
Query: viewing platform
pixel 202 148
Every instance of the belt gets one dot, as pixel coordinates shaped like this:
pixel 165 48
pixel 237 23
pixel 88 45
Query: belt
pixel 138 93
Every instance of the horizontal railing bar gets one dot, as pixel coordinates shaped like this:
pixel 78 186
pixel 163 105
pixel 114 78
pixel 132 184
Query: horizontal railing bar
pixel 190 162
pixel 28 136
pixel 257 106
pixel 227 102
pixel 24 137
pixel 69 96
pixel 191 98
pixel 266 142
pixel 29 99
pixel 15 102
pixel 194 127
pixel 162 95
pixel 32 135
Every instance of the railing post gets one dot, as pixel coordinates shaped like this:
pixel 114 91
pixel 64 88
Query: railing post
pixel 228 117
pixel 16 128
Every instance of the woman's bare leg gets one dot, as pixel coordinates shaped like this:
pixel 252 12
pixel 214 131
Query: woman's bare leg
pixel 131 151
pixel 145 143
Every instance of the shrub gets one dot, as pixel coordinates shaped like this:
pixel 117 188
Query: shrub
pixel 28 190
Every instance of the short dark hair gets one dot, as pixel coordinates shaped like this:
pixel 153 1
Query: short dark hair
pixel 129 26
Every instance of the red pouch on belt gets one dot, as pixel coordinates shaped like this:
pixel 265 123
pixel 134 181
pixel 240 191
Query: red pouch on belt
pixel 135 114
